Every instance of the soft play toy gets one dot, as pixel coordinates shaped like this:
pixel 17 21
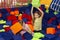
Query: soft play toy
pixel 16 12
pixel 2 30
pixel 36 3
pixel 38 35
pixel 55 13
pixel 2 22
pixel 20 17
pixel 4 26
pixel 58 26
pixel 12 13
pixel 36 39
pixel 47 11
pixel 7 29
pixel 11 17
pixel 50 30
pixel 14 21
pixel 28 17
pixel 17 27
pixel 46 3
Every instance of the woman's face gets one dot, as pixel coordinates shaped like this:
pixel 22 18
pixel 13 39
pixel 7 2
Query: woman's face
pixel 36 15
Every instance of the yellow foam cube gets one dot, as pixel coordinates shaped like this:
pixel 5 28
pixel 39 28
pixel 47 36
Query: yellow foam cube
pixel 46 3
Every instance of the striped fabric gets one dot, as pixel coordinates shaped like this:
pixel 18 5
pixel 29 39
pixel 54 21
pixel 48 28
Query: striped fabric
pixel 55 5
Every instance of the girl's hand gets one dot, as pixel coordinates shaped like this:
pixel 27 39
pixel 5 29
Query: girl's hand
pixel 41 12
pixel 32 33
pixel 22 32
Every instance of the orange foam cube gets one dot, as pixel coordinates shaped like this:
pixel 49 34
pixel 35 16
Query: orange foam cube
pixel 12 13
pixel 20 17
pixel 17 27
pixel 16 12
pixel 46 3
pixel 50 30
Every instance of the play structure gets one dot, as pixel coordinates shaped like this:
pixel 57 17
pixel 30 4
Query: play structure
pixel 13 12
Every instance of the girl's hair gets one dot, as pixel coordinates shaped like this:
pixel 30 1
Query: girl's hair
pixel 38 12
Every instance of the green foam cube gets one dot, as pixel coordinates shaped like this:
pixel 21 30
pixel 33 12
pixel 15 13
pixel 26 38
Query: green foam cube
pixel 47 11
pixel 38 35
pixel 36 39
pixel 55 13
pixel 2 30
pixel 36 3
pixel 2 22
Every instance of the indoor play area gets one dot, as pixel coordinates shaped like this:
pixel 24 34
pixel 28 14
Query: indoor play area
pixel 29 19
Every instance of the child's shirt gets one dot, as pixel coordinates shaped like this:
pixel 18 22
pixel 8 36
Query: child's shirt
pixel 38 24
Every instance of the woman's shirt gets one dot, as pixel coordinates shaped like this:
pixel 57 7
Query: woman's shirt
pixel 38 24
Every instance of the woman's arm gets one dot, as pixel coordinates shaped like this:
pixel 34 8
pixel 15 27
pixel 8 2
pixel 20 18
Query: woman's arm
pixel 41 12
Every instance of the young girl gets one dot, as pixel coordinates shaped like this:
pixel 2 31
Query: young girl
pixel 37 17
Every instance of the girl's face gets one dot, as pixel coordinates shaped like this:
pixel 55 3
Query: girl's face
pixel 36 15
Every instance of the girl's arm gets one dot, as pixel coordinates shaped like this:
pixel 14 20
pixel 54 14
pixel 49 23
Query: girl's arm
pixel 32 15
pixel 32 12
pixel 41 12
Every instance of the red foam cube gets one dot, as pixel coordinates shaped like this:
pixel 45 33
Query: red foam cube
pixel 13 22
pixel 58 26
pixel 11 18
pixel 7 29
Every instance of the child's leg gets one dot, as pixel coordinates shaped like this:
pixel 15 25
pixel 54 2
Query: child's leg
pixel 22 32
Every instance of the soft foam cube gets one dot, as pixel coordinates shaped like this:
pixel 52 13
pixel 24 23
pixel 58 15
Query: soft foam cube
pixel 50 30
pixel 20 17
pixel 16 12
pixel 35 39
pixel 2 30
pixel 46 3
pixel 38 35
pixel 17 27
pixel 36 3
